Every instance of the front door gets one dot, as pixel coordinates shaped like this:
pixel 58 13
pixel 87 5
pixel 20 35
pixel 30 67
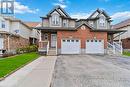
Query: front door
pixel 53 40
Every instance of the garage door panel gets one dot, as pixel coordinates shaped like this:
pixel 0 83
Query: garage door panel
pixel 70 46
pixel 94 46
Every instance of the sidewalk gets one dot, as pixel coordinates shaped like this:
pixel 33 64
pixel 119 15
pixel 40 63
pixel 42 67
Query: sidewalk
pixel 36 74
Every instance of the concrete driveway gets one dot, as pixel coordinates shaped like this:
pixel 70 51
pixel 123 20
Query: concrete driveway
pixel 91 71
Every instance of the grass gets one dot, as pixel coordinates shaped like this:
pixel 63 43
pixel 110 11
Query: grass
pixel 126 53
pixel 10 64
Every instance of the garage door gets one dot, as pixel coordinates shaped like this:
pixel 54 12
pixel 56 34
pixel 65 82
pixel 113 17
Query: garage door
pixel 70 46
pixel 1 43
pixel 95 46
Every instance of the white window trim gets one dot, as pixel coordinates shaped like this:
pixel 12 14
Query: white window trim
pixel 102 22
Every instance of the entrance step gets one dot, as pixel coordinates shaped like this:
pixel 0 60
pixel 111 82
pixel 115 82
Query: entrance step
pixel 52 52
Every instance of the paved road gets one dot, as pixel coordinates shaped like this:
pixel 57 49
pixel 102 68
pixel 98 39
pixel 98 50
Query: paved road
pixel 89 71
pixel 36 74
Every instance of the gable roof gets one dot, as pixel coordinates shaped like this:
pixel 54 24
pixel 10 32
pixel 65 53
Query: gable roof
pixel 32 24
pixel 57 8
pixel 99 13
pixel 86 24
pixel 122 24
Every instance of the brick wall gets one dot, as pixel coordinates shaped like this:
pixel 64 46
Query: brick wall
pixel 83 35
pixel 15 42
pixel 126 43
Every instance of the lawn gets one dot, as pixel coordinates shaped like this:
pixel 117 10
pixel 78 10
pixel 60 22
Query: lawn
pixel 126 53
pixel 10 64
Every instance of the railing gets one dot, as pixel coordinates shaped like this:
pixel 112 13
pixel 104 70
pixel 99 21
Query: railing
pixel 43 46
pixel 48 47
pixel 111 47
pixel 56 47
pixel 115 47
pixel 118 46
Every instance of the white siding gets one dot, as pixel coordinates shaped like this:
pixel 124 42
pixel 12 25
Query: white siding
pixel 25 32
pixel 124 35
pixel 6 25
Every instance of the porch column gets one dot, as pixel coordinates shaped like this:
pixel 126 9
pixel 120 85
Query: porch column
pixel 119 37
pixel 40 36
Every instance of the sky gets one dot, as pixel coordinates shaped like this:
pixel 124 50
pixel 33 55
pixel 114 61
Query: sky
pixel 32 10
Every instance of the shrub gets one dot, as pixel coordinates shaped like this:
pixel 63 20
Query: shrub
pixel 31 48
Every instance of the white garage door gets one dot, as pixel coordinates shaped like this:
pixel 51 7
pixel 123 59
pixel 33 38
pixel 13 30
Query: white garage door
pixel 70 46
pixel 95 46
pixel 1 43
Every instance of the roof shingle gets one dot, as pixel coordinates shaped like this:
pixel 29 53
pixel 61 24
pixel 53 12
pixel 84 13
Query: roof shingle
pixel 32 24
pixel 122 24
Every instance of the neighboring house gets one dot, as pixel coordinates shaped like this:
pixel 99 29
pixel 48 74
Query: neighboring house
pixel 35 33
pixel 13 34
pixel 61 34
pixel 125 37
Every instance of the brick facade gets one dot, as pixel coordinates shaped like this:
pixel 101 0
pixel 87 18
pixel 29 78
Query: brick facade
pixel 83 35
pixel 126 43
pixel 14 42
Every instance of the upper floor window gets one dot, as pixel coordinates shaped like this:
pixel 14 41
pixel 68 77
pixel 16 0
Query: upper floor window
pixel 91 23
pixel 55 20
pixel 64 23
pixel 3 24
pixel 102 21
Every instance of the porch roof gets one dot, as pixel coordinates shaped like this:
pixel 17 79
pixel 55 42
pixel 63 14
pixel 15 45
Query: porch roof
pixel 55 28
pixel 109 31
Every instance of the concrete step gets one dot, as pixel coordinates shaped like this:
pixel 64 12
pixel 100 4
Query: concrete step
pixel 52 53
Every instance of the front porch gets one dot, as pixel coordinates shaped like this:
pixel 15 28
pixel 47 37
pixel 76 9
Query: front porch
pixel 48 43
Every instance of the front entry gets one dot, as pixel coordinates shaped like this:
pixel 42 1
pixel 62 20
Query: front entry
pixel 53 40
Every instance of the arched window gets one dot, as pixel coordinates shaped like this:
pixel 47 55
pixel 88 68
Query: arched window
pixel 102 21
pixel 55 20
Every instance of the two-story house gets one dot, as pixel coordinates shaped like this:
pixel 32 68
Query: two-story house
pixel 125 37
pixel 61 34
pixel 34 37
pixel 13 34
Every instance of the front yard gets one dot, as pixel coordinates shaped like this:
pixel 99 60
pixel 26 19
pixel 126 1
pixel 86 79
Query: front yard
pixel 126 53
pixel 10 64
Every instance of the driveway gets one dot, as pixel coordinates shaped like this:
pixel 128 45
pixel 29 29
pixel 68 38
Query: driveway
pixel 91 71
pixel 36 74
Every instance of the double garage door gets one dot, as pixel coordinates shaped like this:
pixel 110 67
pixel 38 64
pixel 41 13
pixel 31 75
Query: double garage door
pixel 73 46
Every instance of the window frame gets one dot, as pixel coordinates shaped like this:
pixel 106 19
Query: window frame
pixel 3 25
pixel 55 20
pixel 102 22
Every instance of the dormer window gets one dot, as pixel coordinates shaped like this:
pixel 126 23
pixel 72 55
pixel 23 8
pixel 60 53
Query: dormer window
pixel 55 20
pixel 102 21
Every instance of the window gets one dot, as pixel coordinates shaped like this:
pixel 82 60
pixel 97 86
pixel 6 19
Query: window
pixel 100 40
pixel 55 20
pixel 68 40
pixel 63 40
pixel 72 40
pixel 102 21
pixel 91 23
pixel 77 40
pixel 64 23
pixel 3 24
pixel 45 36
